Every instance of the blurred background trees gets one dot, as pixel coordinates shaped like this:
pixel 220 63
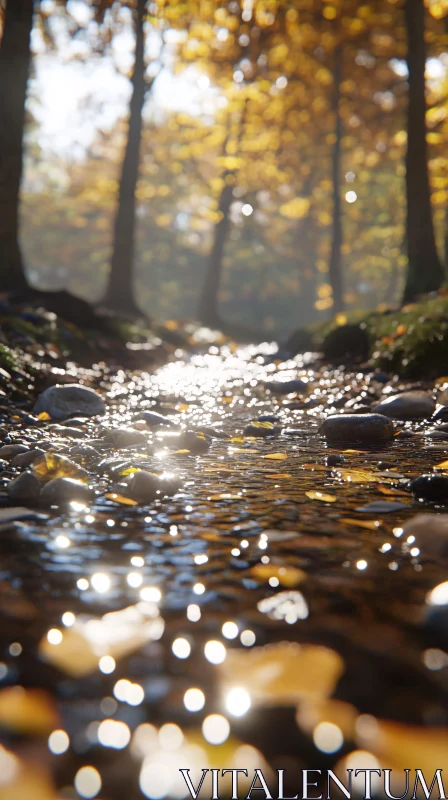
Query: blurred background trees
pixel 261 162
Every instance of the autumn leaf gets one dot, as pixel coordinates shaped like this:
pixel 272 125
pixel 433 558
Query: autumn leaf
pixel 52 465
pixel 368 524
pixel 118 498
pixel 322 496
pixel 276 456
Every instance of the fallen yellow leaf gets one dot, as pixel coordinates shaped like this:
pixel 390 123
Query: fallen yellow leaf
pixel 118 498
pixel 290 577
pixel 368 524
pixel 442 465
pixel 360 476
pixel 322 496
pixel 43 416
pixel 31 711
pixel 52 465
pixel 276 456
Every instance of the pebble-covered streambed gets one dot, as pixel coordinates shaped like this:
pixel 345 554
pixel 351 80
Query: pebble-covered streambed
pixel 224 585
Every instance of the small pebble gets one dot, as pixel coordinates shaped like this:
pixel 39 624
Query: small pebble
pixel 287 387
pixel 26 459
pixel 152 418
pixel 260 429
pixel 9 451
pixel 125 437
pixel 196 443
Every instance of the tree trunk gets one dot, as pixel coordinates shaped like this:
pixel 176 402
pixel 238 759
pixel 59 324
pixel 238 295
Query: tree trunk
pixel 208 304
pixel 120 294
pixel 334 267
pixel 15 57
pixel 425 271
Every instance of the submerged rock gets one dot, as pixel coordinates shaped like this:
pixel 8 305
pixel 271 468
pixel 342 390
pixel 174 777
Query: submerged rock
pixel 258 428
pixel 65 490
pixel 288 387
pixel 25 487
pixel 61 402
pixel 407 405
pixel 145 486
pixel 152 418
pixel 368 428
pixel 9 451
pixel 430 487
pixel 196 443
pixel 125 437
pixel 26 459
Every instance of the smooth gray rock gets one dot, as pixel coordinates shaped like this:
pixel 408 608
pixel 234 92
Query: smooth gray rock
pixel 9 451
pixel 143 486
pixel 125 437
pixel 61 402
pixel 407 405
pixel 65 490
pixel 26 459
pixel 367 428
pixel 25 487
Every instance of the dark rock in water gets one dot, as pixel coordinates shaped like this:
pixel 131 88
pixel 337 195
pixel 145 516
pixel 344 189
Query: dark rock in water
pixel 407 405
pixel 25 487
pixel 346 342
pixel 261 429
pixel 334 460
pixel 436 434
pixel 214 433
pixel 287 387
pixel 65 490
pixel 112 466
pixel 83 451
pixel 380 377
pixel 367 428
pixel 61 402
pixel 430 487
pixel 268 418
pixel 66 432
pixel 196 443
pixel 26 459
pixel 124 437
pixel 144 486
pixel 9 451
pixel 152 418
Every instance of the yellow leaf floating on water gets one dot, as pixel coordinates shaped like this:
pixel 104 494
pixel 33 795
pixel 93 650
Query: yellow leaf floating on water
pixel 43 416
pixel 182 453
pixel 368 524
pixel 236 440
pixel 387 490
pixel 401 745
pixel 322 496
pixel 30 711
pixel 118 498
pixel 277 476
pixel 284 673
pixel 129 471
pixel 52 465
pixel 116 634
pixel 361 476
pixel 442 465
pixel 276 456
pixel 288 576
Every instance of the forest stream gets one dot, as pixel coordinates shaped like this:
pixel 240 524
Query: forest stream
pixel 270 603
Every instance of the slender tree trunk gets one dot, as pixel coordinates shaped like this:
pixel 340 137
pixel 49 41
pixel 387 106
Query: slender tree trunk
pixel 208 303
pixel 334 267
pixel 425 271
pixel 15 57
pixel 120 293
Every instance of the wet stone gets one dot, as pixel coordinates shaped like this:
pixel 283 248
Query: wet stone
pixel 368 428
pixel 125 437
pixel 194 442
pixel 433 488
pixel 61 402
pixel 261 429
pixel 65 432
pixel 26 459
pixel 287 387
pixel 431 534
pixel 9 451
pixel 407 405
pixel 25 487
pixel 65 490
pixel 152 418
pixel 143 486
